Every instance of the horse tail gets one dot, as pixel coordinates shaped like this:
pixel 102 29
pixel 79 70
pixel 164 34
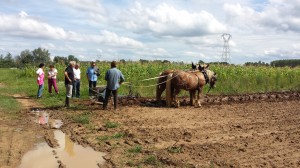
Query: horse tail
pixel 169 90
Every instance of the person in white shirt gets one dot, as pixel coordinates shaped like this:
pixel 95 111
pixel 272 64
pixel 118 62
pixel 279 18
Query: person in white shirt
pixel 76 84
pixel 52 73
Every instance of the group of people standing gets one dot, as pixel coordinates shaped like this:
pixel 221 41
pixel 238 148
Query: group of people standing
pixel 52 73
pixel 113 76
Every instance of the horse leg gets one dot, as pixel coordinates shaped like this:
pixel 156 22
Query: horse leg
pixel 159 90
pixel 175 93
pixel 198 104
pixel 192 97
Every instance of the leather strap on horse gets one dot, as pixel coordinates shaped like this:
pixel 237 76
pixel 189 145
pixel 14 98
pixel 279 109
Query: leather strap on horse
pixel 209 89
pixel 206 79
pixel 205 76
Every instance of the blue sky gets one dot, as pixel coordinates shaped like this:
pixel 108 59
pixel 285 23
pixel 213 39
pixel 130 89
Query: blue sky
pixel 176 30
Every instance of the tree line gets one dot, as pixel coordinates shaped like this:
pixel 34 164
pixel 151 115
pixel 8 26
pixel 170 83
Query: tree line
pixel 276 63
pixel 282 63
pixel 34 57
pixel 40 55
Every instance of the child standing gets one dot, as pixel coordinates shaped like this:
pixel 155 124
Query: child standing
pixel 40 79
pixel 52 79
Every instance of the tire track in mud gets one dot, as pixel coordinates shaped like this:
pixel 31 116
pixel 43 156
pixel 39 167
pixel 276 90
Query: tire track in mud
pixel 18 133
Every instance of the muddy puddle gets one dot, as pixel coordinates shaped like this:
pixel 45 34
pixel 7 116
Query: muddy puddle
pixel 68 153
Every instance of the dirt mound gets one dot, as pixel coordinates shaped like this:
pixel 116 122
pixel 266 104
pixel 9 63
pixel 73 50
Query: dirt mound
pixel 216 99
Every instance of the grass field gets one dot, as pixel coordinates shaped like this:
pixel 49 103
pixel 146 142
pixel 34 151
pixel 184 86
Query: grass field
pixel 231 79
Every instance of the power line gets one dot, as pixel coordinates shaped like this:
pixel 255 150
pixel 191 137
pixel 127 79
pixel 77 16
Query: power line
pixel 226 50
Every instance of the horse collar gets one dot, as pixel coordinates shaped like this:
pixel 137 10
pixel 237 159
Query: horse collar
pixel 205 76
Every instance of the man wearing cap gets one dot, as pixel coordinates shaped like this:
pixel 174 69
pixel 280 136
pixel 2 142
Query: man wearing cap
pixel 114 78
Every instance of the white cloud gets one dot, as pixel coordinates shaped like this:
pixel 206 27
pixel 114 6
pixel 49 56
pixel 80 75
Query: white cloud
pixel 195 54
pixel 160 52
pixel 24 25
pixel 178 30
pixel 48 46
pixel 165 20
pixel 281 53
pixel 205 41
pixel 277 15
pixel 112 39
pixel 23 14
pixel 93 8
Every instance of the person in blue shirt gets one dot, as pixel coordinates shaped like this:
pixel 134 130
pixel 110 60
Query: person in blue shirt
pixel 92 74
pixel 114 78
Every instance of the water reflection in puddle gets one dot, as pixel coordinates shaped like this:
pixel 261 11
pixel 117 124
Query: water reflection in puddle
pixel 69 153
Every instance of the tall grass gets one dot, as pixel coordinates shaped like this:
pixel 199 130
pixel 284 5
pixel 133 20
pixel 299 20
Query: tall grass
pixel 231 79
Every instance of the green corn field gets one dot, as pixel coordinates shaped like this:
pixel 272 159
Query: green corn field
pixel 231 79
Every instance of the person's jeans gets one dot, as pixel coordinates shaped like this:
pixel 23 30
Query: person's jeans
pixel 107 97
pixel 69 88
pixel 92 84
pixel 76 89
pixel 52 82
pixel 40 90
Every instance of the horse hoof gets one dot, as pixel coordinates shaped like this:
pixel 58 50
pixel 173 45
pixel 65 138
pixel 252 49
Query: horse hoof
pixel 197 105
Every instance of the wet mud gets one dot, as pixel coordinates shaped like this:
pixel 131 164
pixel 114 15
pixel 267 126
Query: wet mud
pixel 64 154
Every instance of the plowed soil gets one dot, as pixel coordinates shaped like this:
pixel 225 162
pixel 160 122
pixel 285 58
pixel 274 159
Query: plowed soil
pixel 256 130
pixel 234 131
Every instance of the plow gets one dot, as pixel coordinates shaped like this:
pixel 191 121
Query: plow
pixel 132 98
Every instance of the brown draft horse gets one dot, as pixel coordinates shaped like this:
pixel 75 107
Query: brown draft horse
pixel 161 83
pixel 191 81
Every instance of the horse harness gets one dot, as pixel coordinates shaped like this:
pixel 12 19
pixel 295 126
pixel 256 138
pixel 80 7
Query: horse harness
pixel 206 79
pixel 205 76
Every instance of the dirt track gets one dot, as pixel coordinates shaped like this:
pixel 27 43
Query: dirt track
pixel 254 134
pixel 18 134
